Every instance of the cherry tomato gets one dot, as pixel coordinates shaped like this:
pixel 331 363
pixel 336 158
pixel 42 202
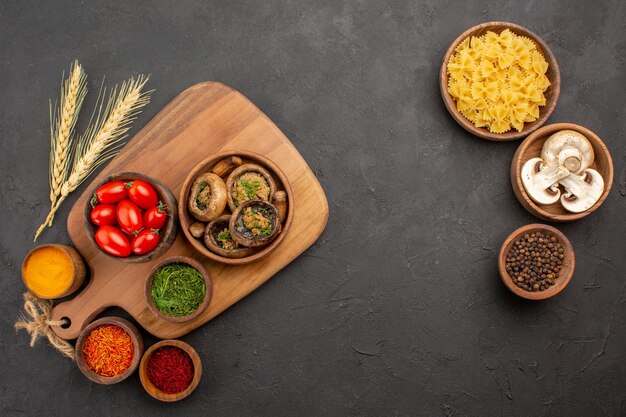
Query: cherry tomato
pixel 103 214
pixel 155 217
pixel 142 194
pixel 129 216
pixel 111 192
pixel 145 241
pixel 113 241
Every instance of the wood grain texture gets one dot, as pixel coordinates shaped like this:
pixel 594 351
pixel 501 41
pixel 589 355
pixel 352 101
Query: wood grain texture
pixel 565 275
pixel 203 120
pixel 552 93
pixel 531 148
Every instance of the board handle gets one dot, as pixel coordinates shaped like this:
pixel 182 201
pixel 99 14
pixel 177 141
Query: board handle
pixel 79 311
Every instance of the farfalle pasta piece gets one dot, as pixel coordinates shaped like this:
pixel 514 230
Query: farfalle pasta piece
pixel 517 124
pixel 465 44
pixel 539 64
pixel 499 115
pixel 530 44
pixel 542 82
pixel 492 52
pixel 533 113
pixel 491 37
pixel 477 44
pixel 464 103
pixel 462 67
pixel 524 60
pixel 506 59
pixel 460 88
pixel 515 72
pixel 480 104
pixel 487 90
pixel 508 97
pixel 470 115
pixel 481 121
pixel 536 96
pixel 519 112
pixel 487 69
pixel 505 39
pixel 517 45
pixel 498 80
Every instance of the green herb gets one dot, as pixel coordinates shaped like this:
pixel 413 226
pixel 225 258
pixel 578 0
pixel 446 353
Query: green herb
pixel 201 204
pixel 267 231
pixel 178 289
pixel 224 235
pixel 250 188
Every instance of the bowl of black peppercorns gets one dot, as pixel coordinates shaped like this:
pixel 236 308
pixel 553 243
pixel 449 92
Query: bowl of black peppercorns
pixel 536 261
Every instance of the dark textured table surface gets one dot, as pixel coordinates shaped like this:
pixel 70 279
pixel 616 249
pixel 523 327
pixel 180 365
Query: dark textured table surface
pixel 398 308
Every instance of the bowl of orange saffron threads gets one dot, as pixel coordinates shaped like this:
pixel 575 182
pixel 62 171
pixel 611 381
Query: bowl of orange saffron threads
pixel 108 350
pixel 170 370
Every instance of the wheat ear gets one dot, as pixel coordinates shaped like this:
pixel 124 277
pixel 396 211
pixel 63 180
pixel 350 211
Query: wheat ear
pixel 62 122
pixel 101 141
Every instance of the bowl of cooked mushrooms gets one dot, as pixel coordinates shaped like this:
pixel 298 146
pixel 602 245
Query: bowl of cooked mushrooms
pixel 235 207
pixel 562 172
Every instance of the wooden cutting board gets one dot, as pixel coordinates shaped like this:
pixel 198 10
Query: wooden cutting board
pixel 203 120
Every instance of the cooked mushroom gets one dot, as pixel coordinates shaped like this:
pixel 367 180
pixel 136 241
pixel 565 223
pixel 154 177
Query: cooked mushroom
pixel 249 182
pixel 207 198
pixel 569 149
pixel 541 182
pixel 254 223
pixel 218 239
pixel 280 202
pixel 582 191
pixel 226 165
pixel 196 229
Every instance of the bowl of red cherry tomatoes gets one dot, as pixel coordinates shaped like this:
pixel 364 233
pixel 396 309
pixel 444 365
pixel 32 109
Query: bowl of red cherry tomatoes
pixel 132 217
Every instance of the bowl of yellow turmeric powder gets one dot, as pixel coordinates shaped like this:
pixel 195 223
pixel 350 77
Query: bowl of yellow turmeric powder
pixel 53 271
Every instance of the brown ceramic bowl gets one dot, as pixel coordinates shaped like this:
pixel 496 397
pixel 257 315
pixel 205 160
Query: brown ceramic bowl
pixel 79 270
pixel 207 295
pixel 531 148
pixel 565 275
pixel 157 393
pixel 137 341
pixel 167 234
pixel 552 93
pixel 205 166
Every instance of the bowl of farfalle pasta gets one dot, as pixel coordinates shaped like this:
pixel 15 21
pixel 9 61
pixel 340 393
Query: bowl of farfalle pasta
pixel 499 81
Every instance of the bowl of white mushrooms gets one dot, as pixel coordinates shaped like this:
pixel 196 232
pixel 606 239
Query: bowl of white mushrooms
pixel 562 172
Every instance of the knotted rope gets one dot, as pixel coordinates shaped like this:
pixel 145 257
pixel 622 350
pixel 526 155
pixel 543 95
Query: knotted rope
pixel 40 324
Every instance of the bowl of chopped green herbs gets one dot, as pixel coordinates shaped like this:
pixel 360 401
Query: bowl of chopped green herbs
pixel 178 289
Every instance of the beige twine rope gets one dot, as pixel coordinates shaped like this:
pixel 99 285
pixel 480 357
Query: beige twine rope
pixel 40 324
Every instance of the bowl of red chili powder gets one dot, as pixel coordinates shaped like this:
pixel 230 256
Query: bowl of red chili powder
pixel 170 370
pixel 108 350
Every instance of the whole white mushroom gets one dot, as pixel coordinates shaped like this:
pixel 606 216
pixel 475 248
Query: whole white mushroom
pixel 570 149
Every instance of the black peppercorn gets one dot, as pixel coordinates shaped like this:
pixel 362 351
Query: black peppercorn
pixel 534 261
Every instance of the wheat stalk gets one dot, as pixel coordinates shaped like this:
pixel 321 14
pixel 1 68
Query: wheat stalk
pixel 62 122
pixel 101 141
